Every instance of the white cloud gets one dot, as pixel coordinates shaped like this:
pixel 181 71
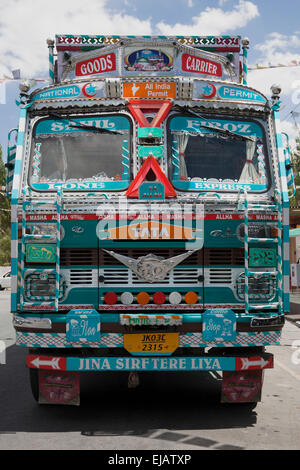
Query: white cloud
pixel 26 24
pixel 263 79
pixel 292 130
pixel 214 21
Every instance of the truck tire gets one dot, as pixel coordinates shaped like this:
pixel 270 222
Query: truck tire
pixel 34 383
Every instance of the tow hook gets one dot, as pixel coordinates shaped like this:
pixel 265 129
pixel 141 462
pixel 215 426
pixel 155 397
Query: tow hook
pixel 133 379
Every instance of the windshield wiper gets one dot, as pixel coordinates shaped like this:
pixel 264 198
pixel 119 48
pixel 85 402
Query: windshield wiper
pixel 77 125
pixel 218 129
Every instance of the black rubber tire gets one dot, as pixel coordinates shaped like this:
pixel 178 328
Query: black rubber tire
pixel 248 406
pixel 34 383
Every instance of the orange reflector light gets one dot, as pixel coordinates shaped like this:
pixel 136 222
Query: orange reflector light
pixel 191 298
pixel 110 298
pixel 159 298
pixel 143 298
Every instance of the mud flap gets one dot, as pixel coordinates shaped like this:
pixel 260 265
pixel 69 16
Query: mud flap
pixel 242 386
pixel 59 388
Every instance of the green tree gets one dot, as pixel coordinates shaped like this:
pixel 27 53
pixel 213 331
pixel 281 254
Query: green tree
pixel 295 201
pixel 4 218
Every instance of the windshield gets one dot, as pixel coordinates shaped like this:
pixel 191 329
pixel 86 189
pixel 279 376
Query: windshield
pixel 217 154
pixel 80 149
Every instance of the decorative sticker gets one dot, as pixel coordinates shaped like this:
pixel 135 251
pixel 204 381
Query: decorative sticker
pixel 40 253
pixel 262 257
pixel 219 325
pixel 148 60
pixel 59 388
pixel 83 325
pixel 241 387
pixel 204 90
pixel 152 191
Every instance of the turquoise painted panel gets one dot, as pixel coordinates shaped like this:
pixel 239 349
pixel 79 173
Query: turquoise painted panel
pixel 82 296
pixel 221 233
pixel 221 295
pixel 79 234
pixel 150 132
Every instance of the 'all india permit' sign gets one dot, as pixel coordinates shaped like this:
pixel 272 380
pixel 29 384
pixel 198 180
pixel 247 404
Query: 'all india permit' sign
pixel 149 90
pixel 195 64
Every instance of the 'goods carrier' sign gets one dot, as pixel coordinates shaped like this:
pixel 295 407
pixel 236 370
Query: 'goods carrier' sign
pixel 95 65
pixel 195 64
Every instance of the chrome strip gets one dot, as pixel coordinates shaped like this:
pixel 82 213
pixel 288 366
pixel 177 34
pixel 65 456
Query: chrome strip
pixel 29 322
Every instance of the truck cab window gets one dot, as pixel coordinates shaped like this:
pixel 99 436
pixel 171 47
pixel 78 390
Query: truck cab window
pixel 64 151
pixel 206 154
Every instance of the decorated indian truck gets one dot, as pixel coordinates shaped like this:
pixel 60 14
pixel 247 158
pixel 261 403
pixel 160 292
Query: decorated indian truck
pixel 149 191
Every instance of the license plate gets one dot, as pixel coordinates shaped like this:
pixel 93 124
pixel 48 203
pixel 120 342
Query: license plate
pixel 151 343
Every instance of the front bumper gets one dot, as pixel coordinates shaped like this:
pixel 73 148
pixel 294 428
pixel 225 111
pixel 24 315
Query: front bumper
pixel 41 332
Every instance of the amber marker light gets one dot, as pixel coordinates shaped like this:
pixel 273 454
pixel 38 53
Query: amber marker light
pixel 143 298
pixel 191 298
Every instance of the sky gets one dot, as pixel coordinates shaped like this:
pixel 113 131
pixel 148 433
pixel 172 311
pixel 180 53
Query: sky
pixel 272 27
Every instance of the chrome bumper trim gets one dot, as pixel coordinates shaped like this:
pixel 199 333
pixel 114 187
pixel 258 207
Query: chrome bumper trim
pixel 30 322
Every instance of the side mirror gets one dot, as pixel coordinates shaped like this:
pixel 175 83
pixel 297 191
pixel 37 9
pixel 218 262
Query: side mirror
pixel 10 164
pixel 289 167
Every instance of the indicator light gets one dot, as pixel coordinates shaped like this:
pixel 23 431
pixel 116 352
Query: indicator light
pixel 143 298
pixel 191 298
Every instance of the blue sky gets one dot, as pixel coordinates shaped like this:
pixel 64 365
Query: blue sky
pixel 272 27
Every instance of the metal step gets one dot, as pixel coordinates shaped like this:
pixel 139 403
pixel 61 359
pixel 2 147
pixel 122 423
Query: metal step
pixel 262 240
pixel 264 306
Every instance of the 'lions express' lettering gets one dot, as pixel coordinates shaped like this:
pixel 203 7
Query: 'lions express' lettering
pixel 101 64
pixel 194 64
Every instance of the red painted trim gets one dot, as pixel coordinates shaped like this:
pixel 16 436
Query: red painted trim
pixel 139 107
pixel 150 163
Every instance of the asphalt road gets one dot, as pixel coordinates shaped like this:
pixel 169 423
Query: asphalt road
pixel 168 411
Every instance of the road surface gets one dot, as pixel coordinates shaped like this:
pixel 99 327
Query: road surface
pixel 168 411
